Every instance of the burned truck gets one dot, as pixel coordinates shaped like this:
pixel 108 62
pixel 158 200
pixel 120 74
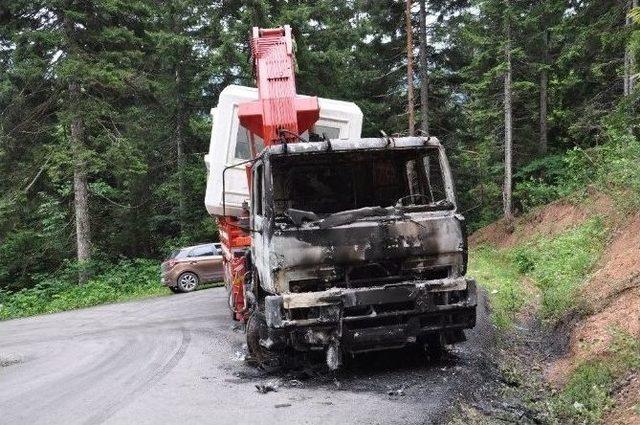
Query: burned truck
pixel 358 247
pixel 344 244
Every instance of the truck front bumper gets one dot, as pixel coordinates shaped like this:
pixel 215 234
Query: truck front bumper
pixel 373 317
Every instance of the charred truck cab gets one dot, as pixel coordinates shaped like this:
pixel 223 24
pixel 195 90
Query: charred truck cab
pixel 359 246
pixel 331 242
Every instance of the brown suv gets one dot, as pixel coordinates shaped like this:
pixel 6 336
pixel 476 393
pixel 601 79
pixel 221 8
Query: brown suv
pixel 186 268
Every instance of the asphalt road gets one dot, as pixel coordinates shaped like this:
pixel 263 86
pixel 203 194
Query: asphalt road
pixel 177 359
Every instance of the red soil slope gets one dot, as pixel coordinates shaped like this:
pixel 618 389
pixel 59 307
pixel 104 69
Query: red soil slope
pixel 611 295
pixel 546 221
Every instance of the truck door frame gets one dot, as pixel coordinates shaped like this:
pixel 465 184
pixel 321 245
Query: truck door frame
pixel 259 222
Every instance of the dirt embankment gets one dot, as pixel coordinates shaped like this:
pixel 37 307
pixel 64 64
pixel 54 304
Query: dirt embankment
pixel 610 296
pixel 547 221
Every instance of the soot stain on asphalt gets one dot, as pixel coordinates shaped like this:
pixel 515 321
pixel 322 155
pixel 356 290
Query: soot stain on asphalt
pixel 398 374
pixel 465 373
pixel 7 360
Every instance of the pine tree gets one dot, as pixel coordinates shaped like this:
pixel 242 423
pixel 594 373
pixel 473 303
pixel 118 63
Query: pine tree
pixel 629 57
pixel 409 37
pixel 544 83
pixel 182 58
pixel 91 53
pixel 508 112
pixel 424 73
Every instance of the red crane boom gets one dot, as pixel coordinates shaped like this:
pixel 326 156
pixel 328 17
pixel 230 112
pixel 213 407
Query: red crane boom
pixel 279 115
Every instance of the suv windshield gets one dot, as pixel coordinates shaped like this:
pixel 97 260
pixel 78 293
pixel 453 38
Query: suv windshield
pixel 331 182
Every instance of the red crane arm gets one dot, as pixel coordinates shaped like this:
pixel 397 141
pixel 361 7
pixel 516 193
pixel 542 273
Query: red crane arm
pixel 278 115
pixel 278 107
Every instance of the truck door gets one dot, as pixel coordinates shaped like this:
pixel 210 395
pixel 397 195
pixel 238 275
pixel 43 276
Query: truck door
pixel 259 246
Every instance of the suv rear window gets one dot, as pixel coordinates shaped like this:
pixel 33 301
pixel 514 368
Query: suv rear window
pixel 178 253
pixel 202 251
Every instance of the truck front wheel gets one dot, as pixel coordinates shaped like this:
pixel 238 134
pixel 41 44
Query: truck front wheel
pixel 257 331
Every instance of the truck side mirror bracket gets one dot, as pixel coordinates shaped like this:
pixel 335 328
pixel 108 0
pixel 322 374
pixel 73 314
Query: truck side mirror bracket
pixel 224 204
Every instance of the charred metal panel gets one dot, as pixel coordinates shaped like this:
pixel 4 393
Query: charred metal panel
pixel 425 237
pixel 370 318
pixel 382 295
pixel 363 144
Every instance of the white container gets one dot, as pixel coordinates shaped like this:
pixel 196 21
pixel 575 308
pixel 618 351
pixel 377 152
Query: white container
pixel 229 144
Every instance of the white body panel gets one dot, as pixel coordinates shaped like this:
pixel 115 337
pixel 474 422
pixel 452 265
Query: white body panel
pixel 229 144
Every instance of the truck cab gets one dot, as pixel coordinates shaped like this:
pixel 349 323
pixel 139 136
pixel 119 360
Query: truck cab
pixel 358 245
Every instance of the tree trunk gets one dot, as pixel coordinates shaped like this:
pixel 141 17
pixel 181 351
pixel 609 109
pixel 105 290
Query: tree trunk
pixel 179 142
pixel 629 60
pixel 424 72
pixel 544 82
pixel 80 188
pixel 179 115
pixel 632 59
pixel 409 29
pixel 508 128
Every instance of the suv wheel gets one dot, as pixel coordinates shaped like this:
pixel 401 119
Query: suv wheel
pixel 187 282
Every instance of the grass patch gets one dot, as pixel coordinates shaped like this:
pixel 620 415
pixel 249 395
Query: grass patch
pixel 559 265
pixel 497 273
pixel 129 279
pixel 588 394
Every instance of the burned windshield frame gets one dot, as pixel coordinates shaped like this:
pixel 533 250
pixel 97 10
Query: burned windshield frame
pixel 297 185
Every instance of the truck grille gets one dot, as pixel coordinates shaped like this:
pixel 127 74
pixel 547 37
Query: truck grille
pixel 371 274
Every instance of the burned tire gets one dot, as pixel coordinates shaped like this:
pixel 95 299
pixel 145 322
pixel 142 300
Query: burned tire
pixel 187 282
pixel 257 330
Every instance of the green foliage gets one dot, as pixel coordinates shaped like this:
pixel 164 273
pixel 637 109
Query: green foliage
pixel 126 57
pixel 59 291
pixel 612 167
pixel 150 71
pixel 552 177
pixel 498 275
pixel 559 265
pixel 618 169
